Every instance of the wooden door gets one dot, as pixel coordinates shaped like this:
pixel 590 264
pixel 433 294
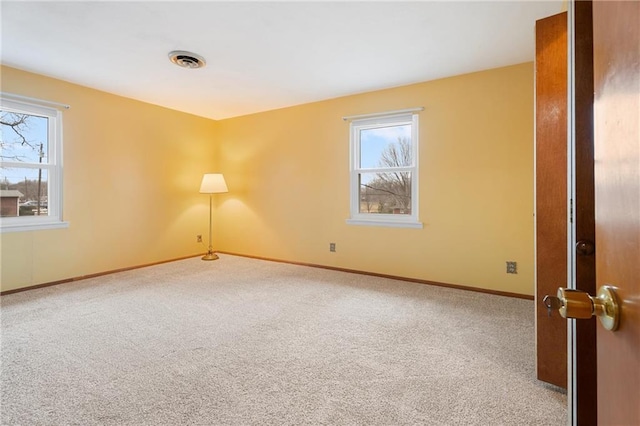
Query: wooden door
pixel 616 41
pixel 584 244
pixel 552 220
pixel 551 194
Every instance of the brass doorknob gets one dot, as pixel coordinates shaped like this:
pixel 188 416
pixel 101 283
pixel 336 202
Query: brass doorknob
pixel 578 304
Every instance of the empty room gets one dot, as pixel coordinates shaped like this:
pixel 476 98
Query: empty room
pixel 337 213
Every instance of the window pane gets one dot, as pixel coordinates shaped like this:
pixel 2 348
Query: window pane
pixel 24 192
pixel 386 147
pixel 387 193
pixel 24 137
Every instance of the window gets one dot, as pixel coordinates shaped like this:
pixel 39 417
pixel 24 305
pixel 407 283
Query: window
pixel 384 170
pixel 30 166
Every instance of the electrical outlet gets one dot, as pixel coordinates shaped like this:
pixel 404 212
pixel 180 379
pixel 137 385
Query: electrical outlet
pixel 512 267
pixel 198 238
pixel 332 247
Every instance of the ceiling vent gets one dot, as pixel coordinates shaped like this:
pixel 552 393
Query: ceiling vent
pixel 187 59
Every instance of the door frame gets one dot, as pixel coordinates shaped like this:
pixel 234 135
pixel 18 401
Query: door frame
pixel 581 336
pixel 572 385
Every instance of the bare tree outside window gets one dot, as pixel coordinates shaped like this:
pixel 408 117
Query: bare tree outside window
pixel 23 146
pixel 384 170
pixel 14 127
pixel 389 192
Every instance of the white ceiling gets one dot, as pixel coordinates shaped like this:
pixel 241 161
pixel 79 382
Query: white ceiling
pixel 263 55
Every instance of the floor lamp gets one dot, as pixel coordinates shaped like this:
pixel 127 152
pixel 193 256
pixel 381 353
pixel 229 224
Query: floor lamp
pixel 212 183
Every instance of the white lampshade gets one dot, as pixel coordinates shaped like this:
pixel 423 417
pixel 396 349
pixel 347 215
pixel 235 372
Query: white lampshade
pixel 213 183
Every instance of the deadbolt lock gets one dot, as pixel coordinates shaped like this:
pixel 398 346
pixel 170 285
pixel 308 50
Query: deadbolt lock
pixel 578 304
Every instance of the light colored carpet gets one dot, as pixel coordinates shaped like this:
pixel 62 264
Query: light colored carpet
pixel 241 341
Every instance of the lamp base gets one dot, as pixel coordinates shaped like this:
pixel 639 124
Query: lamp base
pixel 210 256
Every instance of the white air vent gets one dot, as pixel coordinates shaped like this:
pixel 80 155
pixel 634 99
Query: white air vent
pixel 187 59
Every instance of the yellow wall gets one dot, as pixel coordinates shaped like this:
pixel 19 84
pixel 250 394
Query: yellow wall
pixel 288 174
pixel 131 177
pixel 132 171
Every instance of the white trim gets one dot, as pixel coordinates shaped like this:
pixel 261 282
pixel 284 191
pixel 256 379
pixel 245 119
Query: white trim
pixel 355 170
pixel 53 166
pixel 387 223
pixel 23 227
pixel 572 388
pixel 30 100
pixel 379 114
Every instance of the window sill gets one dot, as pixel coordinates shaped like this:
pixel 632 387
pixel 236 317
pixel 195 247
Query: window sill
pixel 24 227
pixel 385 223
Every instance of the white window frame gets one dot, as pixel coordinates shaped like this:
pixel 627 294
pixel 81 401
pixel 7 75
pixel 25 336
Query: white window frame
pixel 54 218
pixel 381 219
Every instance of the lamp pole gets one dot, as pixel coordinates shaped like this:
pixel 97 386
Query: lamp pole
pixel 210 252
pixel 212 183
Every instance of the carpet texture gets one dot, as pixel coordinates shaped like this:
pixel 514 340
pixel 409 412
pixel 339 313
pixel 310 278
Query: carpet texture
pixel 242 341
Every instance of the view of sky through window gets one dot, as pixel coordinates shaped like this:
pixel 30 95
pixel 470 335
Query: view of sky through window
pixel 373 142
pixel 23 145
